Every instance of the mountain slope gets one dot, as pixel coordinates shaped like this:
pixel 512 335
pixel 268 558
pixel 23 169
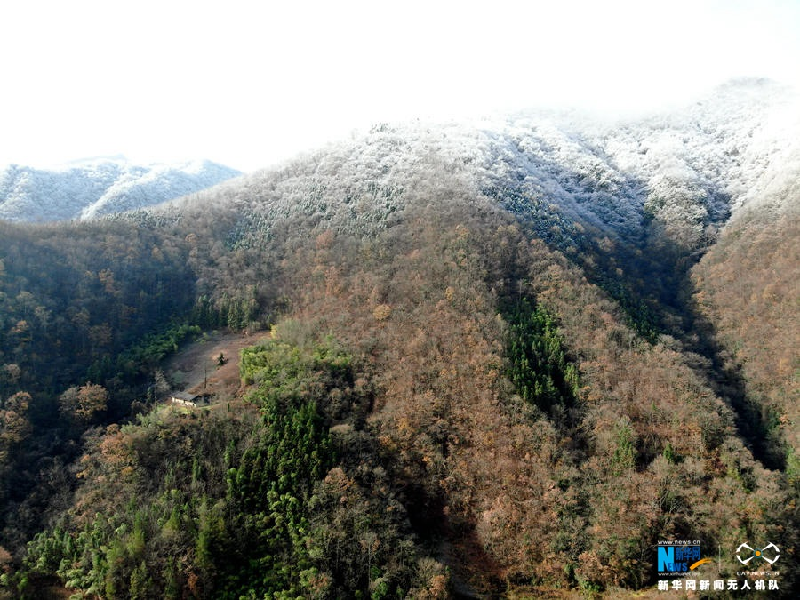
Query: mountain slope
pixel 506 359
pixel 92 188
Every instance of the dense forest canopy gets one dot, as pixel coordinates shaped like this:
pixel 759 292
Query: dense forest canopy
pixel 505 359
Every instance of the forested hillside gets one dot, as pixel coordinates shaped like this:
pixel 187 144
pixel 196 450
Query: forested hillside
pixel 497 359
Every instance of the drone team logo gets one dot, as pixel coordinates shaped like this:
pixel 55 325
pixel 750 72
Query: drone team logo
pixel 745 553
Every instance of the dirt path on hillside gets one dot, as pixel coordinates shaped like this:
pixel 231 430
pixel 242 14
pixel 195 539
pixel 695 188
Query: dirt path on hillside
pixel 196 368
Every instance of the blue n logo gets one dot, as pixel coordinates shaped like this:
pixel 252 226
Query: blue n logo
pixel 666 558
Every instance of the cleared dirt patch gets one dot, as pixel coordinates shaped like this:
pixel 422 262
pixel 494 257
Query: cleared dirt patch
pixel 196 369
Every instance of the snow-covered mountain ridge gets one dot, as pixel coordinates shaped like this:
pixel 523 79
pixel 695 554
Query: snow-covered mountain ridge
pixel 690 170
pixel 94 187
pixel 685 173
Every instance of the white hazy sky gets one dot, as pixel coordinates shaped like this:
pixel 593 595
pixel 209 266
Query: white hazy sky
pixel 251 83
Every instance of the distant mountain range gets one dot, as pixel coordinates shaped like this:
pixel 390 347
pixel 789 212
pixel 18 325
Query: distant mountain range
pixel 90 188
